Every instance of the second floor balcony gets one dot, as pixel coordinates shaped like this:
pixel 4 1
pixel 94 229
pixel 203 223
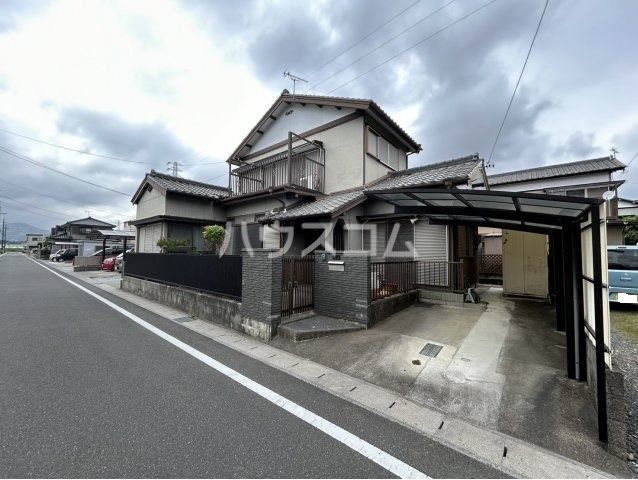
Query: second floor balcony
pixel 301 168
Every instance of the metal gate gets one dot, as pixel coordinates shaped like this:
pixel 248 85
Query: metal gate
pixel 297 284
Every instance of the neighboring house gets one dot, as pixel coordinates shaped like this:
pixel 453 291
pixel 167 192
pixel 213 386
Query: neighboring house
pixel 627 207
pixel 525 255
pixel 174 207
pixel 33 240
pixel 76 234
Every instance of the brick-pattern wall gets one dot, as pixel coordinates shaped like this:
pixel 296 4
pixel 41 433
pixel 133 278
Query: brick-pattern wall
pixel 343 294
pixel 261 287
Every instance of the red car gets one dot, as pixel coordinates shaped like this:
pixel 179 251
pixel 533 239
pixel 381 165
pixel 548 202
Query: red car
pixel 109 264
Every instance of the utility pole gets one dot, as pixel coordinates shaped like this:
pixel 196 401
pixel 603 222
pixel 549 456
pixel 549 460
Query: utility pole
pixel 3 238
pixel 174 168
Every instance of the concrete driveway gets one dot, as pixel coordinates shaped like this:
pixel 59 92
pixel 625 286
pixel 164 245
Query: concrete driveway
pixel 501 366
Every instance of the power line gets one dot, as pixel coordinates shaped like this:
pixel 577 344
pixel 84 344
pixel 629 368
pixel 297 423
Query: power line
pixel 77 204
pixel 57 214
pixel 429 15
pixel 509 105
pixel 423 40
pixel 83 152
pixel 35 162
pixel 362 39
pixel 86 152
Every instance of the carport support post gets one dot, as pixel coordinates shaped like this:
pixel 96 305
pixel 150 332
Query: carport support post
pixel 601 374
pixel 580 340
pixel 570 323
pixel 103 249
pixel 559 276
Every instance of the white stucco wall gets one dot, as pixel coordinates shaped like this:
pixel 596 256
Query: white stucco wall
pixel 302 119
pixel 151 204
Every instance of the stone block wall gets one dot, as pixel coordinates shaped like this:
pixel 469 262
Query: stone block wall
pixel 617 413
pixel 343 291
pixel 261 292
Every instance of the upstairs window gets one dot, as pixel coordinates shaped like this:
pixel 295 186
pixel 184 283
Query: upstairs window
pixel 383 150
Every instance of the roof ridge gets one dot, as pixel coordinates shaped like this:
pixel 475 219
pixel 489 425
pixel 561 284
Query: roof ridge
pixel 444 163
pixel 184 180
pixel 564 164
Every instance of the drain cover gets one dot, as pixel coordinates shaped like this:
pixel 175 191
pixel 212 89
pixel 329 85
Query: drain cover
pixel 431 350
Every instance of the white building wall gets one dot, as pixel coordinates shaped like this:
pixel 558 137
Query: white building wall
pixel 152 203
pixel 302 119
pixel 343 154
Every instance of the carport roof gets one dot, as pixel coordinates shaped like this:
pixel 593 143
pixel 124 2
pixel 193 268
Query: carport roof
pixel 513 210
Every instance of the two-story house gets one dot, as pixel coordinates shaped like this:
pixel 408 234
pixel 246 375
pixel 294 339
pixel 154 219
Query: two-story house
pixel 310 160
pixel 75 234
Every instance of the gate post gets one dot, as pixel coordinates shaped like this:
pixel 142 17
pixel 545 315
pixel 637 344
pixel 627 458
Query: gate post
pixel 261 293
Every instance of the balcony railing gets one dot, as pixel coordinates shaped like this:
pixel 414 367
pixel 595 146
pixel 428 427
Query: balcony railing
pixel 299 170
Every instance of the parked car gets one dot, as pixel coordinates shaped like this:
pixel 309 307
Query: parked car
pixel 109 252
pixel 55 254
pixel 109 264
pixel 120 259
pixel 64 255
pixel 623 273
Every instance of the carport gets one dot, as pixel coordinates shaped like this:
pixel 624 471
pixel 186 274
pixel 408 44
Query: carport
pixel 113 236
pixel 576 228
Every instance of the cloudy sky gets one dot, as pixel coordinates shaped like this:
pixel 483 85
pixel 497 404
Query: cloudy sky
pixel 143 83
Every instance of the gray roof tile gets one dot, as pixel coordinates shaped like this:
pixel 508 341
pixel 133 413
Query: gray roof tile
pixel 457 170
pixel 188 187
pixel 559 170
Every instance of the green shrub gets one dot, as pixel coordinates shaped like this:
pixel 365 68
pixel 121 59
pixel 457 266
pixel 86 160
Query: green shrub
pixel 174 245
pixel 213 237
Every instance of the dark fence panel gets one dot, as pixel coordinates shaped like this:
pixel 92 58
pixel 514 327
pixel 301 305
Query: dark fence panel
pixel 205 273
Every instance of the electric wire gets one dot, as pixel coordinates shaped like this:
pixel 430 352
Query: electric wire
pixel 509 105
pixel 378 47
pixel 420 42
pixel 362 39
pixel 42 165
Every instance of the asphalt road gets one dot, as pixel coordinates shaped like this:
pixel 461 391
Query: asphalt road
pixel 87 392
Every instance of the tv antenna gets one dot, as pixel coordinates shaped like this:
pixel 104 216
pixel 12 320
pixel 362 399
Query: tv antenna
pixel 613 151
pixel 294 79
pixel 174 168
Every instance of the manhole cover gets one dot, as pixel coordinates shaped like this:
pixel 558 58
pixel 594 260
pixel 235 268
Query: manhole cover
pixel 431 350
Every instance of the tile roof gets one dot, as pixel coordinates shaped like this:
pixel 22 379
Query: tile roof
pixel 603 164
pixel 89 222
pixel 363 104
pixel 182 185
pixel 457 170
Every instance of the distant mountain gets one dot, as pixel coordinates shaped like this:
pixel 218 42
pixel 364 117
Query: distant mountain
pixel 17 232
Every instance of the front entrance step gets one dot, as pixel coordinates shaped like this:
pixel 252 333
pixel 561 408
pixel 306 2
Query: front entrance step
pixel 316 326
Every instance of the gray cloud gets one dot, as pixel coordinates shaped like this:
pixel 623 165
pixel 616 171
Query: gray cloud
pixel 104 133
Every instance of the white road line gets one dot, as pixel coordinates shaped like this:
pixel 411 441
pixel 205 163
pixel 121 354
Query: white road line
pixel 378 456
